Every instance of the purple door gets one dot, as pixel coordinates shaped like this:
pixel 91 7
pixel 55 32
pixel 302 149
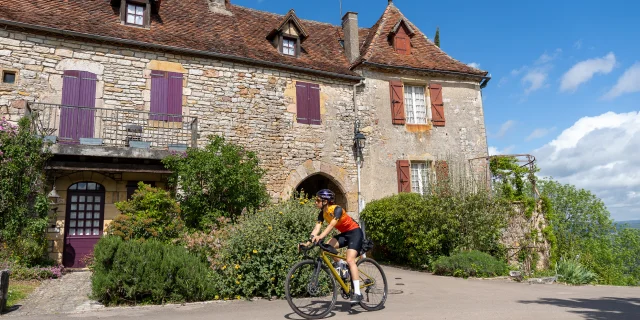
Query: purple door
pixel 84 222
pixel 78 102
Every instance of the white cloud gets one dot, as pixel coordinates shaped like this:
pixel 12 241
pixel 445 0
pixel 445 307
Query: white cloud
pixel 583 71
pixel 504 128
pixel 539 133
pixel 534 80
pixel 474 65
pixel 601 154
pixel 578 44
pixel 629 82
pixel 495 151
pixel 546 58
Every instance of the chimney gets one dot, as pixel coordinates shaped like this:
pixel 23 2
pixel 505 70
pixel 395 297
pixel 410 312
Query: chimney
pixel 351 40
pixel 219 6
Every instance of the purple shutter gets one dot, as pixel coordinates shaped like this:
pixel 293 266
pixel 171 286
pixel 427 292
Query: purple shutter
pixel 314 104
pixel 174 98
pixel 302 101
pixel 87 100
pixel 70 98
pixel 159 90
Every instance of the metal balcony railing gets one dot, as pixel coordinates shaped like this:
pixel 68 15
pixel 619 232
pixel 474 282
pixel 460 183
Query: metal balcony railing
pixel 114 127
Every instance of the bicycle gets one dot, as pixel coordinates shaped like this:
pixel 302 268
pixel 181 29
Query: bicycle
pixel 319 282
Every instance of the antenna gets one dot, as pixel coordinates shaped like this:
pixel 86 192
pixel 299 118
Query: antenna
pixel 340 9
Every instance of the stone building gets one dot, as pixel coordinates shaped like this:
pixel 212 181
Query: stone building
pixel 117 85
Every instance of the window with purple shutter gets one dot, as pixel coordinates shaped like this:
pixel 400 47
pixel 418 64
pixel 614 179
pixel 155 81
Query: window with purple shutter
pixel 166 96
pixel 308 103
pixel 77 116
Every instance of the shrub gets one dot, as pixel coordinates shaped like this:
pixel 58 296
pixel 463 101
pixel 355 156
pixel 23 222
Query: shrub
pixel 412 229
pixel 220 180
pixel 207 243
pixel 572 272
pixel 133 272
pixel 23 204
pixel 470 264
pixel 259 252
pixel 22 272
pixel 151 213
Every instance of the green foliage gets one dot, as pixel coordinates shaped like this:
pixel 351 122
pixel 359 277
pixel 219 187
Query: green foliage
pixel 150 213
pixel 23 203
pixel 436 39
pixel 219 180
pixel 572 272
pixel 262 247
pixel 133 272
pixel 513 181
pixel 470 264
pixel 412 229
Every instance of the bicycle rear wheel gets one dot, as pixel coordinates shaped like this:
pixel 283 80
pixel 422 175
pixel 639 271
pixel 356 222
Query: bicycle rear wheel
pixel 310 289
pixel 373 284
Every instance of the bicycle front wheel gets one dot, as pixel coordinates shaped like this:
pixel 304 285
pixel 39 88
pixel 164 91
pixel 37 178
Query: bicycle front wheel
pixel 310 289
pixel 373 284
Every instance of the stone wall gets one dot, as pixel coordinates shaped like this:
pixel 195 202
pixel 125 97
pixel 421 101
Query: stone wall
pixel 250 105
pixel 524 236
pixel 462 138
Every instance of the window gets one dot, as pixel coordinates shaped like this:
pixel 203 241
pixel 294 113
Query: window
pixel 415 105
pixel 420 172
pixel 308 103
pixel 166 96
pixel 135 14
pixel 289 46
pixel 9 77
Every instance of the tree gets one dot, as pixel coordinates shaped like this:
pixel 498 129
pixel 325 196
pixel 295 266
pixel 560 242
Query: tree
pixel 220 180
pixel 24 206
pixel 436 39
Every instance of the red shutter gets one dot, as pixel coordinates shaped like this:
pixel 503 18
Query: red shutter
pixel 302 101
pixel 437 106
pixel 404 176
pixel 401 41
pixel 397 102
pixel 314 104
pixel 174 96
pixel 159 93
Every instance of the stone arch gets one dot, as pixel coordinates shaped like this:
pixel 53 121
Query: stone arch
pixel 64 182
pixel 337 175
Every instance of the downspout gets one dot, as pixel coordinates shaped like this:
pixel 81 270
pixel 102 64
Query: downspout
pixel 358 160
pixel 483 84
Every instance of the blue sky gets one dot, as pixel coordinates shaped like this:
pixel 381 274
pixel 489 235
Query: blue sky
pixel 565 79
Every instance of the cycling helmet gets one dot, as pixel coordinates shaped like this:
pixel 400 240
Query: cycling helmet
pixel 326 194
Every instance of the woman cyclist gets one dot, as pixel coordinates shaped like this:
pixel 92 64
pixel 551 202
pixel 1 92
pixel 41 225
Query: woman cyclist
pixel 350 236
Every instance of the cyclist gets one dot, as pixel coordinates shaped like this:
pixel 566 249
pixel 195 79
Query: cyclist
pixel 350 234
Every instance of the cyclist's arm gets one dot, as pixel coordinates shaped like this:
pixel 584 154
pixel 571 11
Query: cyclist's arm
pixel 316 229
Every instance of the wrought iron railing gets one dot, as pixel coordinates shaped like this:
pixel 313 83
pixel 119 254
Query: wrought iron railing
pixel 114 127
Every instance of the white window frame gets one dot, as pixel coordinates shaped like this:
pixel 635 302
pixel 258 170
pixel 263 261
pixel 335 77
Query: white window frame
pixel 289 46
pixel 424 169
pixel 135 15
pixel 413 106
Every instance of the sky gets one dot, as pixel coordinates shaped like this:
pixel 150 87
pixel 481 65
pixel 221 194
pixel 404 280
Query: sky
pixel 565 81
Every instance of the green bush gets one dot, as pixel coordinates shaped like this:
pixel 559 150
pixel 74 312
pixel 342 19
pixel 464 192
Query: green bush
pixel 262 247
pixel 415 230
pixel 219 180
pixel 23 203
pixel 470 264
pixel 134 272
pixel 572 272
pixel 150 213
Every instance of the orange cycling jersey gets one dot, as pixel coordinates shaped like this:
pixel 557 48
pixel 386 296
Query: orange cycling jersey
pixel 345 222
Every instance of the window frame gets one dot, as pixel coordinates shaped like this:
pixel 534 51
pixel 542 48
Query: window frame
pixel 9 71
pixel 135 14
pixel 292 48
pixel 146 12
pixel 420 184
pixel 411 108
pixel 296 44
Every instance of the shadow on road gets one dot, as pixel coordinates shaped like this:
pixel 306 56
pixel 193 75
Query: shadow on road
pixel 597 309
pixel 341 307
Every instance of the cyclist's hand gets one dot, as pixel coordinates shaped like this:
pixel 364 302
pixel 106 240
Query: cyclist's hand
pixel 316 239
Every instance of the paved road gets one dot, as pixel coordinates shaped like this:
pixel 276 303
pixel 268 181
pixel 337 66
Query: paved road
pixel 420 296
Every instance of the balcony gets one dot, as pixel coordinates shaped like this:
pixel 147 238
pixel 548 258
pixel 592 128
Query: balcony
pixel 113 132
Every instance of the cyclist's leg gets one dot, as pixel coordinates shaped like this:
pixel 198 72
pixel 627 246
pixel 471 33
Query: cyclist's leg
pixel 337 242
pixel 354 245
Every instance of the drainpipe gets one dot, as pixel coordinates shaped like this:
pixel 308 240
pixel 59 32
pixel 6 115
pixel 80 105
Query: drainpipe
pixel 358 160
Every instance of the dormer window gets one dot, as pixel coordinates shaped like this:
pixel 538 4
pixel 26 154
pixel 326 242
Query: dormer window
pixel 135 14
pixel 400 37
pixel 289 46
pixel 288 36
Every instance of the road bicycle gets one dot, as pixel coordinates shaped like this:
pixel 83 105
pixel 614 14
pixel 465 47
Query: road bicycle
pixel 310 286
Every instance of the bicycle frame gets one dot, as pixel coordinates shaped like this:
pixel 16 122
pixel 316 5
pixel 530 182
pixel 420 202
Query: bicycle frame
pixel 324 256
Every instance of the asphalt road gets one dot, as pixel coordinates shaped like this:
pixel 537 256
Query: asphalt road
pixel 415 295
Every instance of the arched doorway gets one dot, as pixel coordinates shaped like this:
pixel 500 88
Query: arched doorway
pixel 83 223
pixel 317 182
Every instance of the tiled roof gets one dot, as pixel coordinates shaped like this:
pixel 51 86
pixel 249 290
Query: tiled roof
pixel 424 53
pixel 189 24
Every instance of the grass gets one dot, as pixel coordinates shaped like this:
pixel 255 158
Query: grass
pixel 19 290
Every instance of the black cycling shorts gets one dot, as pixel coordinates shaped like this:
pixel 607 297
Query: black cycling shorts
pixel 351 239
